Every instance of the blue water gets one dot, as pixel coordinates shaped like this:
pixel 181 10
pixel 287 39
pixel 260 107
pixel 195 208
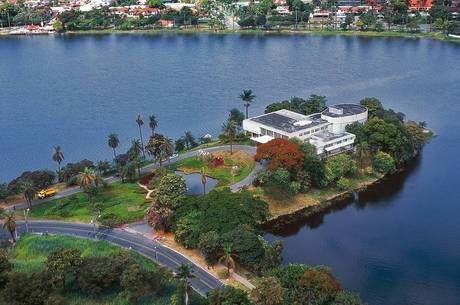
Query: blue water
pixel 400 245
pixel 195 185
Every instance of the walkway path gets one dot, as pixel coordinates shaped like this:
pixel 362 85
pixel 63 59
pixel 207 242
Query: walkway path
pixel 203 282
pixel 149 168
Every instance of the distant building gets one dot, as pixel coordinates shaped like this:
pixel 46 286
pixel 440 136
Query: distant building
pixel 420 5
pixel 325 130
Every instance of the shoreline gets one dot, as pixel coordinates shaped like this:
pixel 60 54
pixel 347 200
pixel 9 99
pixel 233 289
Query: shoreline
pixel 417 35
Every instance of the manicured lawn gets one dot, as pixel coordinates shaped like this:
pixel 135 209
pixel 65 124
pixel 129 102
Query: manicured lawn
pixel 124 200
pixel 243 160
pixel 31 251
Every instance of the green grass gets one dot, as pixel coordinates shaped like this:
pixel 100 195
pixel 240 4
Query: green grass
pixel 221 173
pixel 125 200
pixel 31 251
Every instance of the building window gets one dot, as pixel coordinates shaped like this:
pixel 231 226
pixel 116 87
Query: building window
pixel 270 133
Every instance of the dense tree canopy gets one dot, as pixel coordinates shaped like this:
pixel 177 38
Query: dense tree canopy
pixel 281 153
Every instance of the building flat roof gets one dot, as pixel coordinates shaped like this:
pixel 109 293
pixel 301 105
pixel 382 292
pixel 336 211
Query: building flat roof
pixel 344 110
pixel 286 120
pixel 327 136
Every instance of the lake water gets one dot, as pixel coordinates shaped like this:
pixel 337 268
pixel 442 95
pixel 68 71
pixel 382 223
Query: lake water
pixel 400 244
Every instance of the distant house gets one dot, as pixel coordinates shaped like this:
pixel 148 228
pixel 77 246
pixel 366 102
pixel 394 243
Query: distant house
pixel 283 10
pixel 325 130
pixel 420 5
pixel 168 23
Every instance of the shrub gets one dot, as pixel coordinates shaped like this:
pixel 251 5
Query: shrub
pixel 295 187
pixel 56 299
pixel 344 184
pixel 110 219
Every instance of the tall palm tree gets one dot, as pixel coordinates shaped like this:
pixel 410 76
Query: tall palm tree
pixel 10 223
pixel 230 130
pixel 113 143
pixel 58 156
pixel 184 274
pixel 134 154
pixel 153 123
pixel 87 177
pixel 247 97
pixel 228 258
pixel 140 122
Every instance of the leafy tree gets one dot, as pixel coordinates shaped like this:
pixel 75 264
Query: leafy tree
pixel 209 245
pixel 113 143
pixel 5 267
pixel 155 3
pixel 4 193
pixel 171 190
pixel 343 184
pixel 281 153
pixel 373 105
pixel 272 254
pixel 314 104
pixel 189 139
pixel 289 275
pixel 246 246
pixel 137 283
pixel 103 167
pixel 384 163
pixel 180 144
pixel 99 273
pixel 27 289
pixel 313 166
pixel 267 292
pixel 228 296
pixel 29 190
pixel 347 298
pixel 58 157
pixel 338 166
pixel 247 97
pixel 318 285
pixel 63 264
pixel 56 299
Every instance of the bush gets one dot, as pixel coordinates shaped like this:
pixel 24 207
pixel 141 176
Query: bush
pixel 110 219
pixel 56 299
pixel 384 163
pixel 295 187
pixel 344 184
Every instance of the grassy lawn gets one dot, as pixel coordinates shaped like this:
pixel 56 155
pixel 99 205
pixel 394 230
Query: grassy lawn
pixel 31 252
pixel 281 204
pixel 222 173
pixel 124 200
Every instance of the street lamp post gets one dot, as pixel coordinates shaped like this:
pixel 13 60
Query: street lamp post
pixel 93 222
pixel 26 214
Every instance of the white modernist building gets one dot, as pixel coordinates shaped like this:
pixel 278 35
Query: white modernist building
pixel 325 130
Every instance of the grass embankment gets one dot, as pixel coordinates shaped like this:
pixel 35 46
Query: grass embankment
pixel 124 200
pixel 433 35
pixel 282 204
pixel 31 251
pixel 223 173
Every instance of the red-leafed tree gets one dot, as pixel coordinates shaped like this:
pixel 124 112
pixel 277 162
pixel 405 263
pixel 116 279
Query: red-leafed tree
pixel 281 153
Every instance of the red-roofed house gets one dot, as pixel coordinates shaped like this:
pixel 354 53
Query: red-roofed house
pixel 420 5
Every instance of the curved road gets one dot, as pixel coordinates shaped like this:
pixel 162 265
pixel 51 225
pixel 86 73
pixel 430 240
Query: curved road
pixel 203 282
pixel 149 168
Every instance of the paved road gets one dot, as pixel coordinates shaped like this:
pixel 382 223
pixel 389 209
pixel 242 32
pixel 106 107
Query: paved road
pixel 203 282
pixel 149 168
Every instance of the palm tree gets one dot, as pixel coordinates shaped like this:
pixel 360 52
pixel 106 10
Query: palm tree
pixel 10 223
pixel 87 177
pixel 58 156
pixel 363 155
pixel 184 274
pixel 140 122
pixel 247 97
pixel 203 180
pixel 29 190
pixel 159 147
pixel 153 123
pixel 228 258
pixel 230 130
pixel 113 143
pixel 134 154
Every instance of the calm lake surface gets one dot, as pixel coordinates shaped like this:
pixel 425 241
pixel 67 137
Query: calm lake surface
pixel 398 244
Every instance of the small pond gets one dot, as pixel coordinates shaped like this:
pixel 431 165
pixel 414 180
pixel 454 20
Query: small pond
pixel 194 186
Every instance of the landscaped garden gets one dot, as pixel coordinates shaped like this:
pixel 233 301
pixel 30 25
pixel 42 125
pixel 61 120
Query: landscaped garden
pixel 73 271
pixel 117 203
pixel 224 166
